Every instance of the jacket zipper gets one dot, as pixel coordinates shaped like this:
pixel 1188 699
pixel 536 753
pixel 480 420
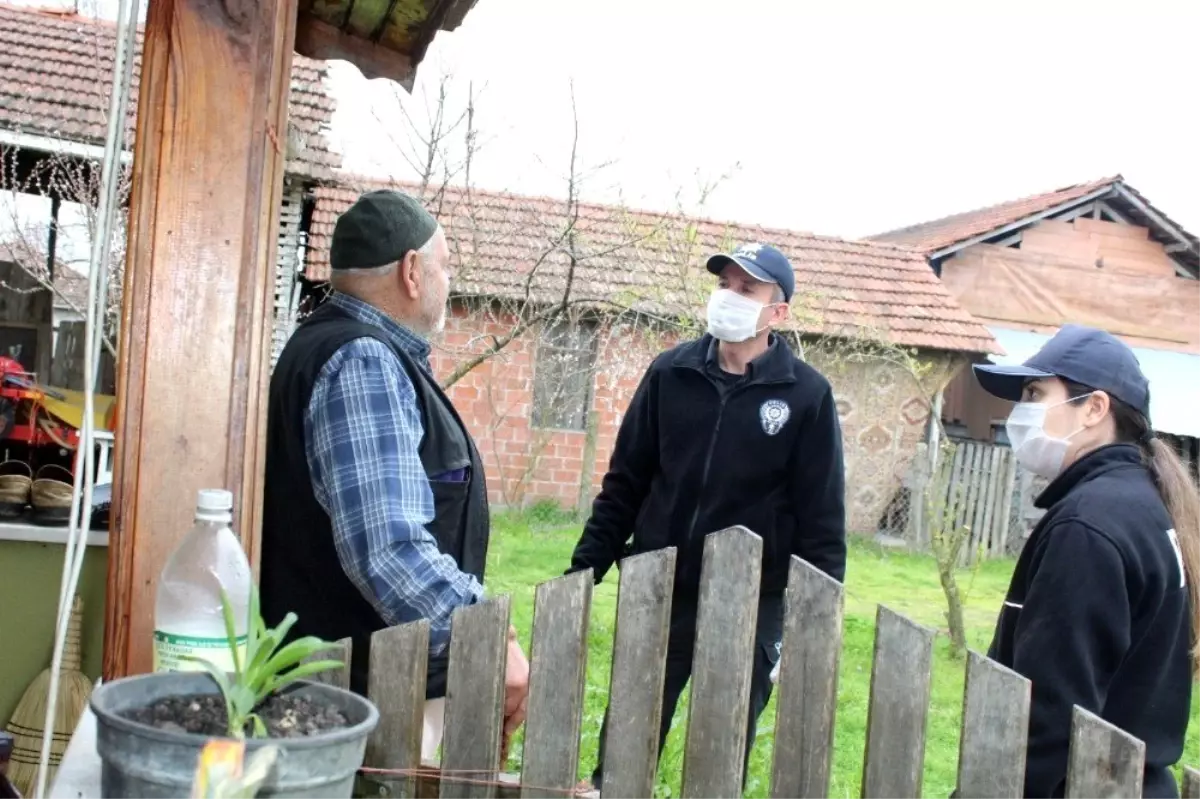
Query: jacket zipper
pixel 712 445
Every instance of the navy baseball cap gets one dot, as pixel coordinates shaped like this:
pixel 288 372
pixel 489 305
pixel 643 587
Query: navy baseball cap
pixel 1082 355
pixel 762 262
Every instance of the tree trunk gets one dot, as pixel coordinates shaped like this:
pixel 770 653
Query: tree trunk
pixel 954 611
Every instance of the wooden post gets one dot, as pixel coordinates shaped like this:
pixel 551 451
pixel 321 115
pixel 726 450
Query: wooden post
pixel 475 700
pixel 1104 761
pixel 638 668
pixel 557 679
pixel 207 178
pixel 894 761
pixel 808 680
pixel 723 659
pixel 995 731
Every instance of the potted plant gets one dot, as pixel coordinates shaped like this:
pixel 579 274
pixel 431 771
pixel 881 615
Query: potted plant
pixel 151 728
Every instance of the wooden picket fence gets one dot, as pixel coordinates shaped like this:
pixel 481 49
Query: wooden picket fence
pixel 975 484
pixel 1104 761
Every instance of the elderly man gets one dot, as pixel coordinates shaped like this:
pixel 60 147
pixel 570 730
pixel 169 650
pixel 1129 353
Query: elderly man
pixel 375 506
pixel 728 429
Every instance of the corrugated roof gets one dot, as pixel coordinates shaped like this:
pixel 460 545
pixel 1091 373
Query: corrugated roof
pixel 56 73
pixel 512 247
pixel 1174 378
pixel 929 237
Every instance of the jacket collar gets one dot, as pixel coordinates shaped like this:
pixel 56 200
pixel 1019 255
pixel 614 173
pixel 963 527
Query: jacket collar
pixel 415 345
pixel 776 365
pixel 1092 465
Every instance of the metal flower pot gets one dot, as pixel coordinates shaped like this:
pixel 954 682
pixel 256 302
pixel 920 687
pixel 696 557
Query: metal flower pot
pixel 144 761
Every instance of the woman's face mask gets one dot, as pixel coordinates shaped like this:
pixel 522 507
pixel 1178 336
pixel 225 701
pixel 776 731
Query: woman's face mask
pixel 732 317
pixel 1036 450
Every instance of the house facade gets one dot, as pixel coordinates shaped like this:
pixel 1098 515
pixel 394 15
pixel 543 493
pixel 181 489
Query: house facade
pixel 1096 253
pixel 54 94
pixel 545 407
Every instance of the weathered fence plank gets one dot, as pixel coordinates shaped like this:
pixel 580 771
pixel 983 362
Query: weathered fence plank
pixel 1105 761
pixel 995 729
pixel 721 666
pixel 475 699
pixel 1191 783
pixel 1008 487
pixel 974 468
pixel 899 706
pixel 638 667
pixel 396 684
pixel 557 676
pixel 336 677
pixel 808 678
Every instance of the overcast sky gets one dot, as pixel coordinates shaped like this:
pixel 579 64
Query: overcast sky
pixel 844 118
pixel 847 118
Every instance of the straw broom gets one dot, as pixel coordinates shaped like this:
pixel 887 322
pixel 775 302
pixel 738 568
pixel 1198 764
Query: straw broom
pixel 74 689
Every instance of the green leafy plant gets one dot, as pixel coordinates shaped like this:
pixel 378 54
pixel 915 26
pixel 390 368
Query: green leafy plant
pixel 266 667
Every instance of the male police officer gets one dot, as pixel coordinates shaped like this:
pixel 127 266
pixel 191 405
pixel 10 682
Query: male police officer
pixel 730 429
pixel 375 506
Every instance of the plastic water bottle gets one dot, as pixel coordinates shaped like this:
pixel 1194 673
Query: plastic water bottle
pixel 188 616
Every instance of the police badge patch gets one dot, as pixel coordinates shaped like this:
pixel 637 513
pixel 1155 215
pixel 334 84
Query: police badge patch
pixel 774 414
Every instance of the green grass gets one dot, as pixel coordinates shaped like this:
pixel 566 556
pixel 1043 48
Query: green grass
pixel 533 547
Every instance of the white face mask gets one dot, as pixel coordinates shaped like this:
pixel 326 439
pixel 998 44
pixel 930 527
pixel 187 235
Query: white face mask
pixel 732 317
pixel 1039 453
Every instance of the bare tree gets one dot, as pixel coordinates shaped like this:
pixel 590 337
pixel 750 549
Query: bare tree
pixel 30 238
pixel 933 497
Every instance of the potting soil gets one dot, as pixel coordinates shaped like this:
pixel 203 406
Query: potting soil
pixel 291 715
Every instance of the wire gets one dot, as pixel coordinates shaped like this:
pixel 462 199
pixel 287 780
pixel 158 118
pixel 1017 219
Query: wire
pixel 82 490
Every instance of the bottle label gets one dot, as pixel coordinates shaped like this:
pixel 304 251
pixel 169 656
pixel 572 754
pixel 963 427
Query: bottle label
pixel 172 652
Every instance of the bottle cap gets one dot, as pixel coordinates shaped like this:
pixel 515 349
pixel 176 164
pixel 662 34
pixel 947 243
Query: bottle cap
pixel 214 500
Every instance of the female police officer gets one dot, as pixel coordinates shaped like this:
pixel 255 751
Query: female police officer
pixel 1103 609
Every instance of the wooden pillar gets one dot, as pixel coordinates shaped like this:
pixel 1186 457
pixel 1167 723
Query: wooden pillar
pixel 207 177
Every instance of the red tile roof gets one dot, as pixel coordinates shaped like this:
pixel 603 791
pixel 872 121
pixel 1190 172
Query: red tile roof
pixel 652 262
pixel 56 73
pixel 929 237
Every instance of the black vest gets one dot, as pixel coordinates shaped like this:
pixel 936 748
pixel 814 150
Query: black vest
pixel 300 571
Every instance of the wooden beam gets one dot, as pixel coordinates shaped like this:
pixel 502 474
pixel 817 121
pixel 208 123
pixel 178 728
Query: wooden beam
pixel 207 177
pixel 1112 213
pixel 318 39
pixel 1155 217
pixel 1010 241
pixel 1083 210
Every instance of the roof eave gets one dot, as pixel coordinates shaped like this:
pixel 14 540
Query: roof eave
pixel 383 40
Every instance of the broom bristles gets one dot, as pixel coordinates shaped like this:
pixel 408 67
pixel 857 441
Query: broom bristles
pixel 28 720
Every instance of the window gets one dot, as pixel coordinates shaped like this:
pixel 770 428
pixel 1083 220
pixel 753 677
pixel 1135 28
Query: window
pixel 563 375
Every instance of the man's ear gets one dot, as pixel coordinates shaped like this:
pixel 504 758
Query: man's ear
pixel 410 275
pixel 780 313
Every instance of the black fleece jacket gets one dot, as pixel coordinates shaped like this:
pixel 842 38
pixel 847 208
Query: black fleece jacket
pixel 1097 616
pixel 700 450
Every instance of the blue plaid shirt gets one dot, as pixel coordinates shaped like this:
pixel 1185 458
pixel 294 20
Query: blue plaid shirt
pixel 362 429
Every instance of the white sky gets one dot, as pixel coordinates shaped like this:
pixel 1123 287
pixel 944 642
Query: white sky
pixel 847 118
pixel 843 118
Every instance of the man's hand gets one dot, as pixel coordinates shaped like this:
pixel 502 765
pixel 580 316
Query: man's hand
pixel 516 691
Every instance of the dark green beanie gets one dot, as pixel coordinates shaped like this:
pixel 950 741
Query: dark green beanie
pixel 379 229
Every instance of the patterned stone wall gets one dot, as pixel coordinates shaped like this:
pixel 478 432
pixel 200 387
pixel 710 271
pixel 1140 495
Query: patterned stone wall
pixel 884 408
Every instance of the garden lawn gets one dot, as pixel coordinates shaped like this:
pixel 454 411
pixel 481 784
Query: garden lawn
pixel 533 547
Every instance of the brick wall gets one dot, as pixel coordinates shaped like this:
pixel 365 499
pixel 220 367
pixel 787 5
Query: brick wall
pixel 883 415
pixel 495 399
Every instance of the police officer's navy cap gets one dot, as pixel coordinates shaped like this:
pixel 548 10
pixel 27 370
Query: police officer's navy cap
pixel 379 229
pixel 1084 355
pixel 762 262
